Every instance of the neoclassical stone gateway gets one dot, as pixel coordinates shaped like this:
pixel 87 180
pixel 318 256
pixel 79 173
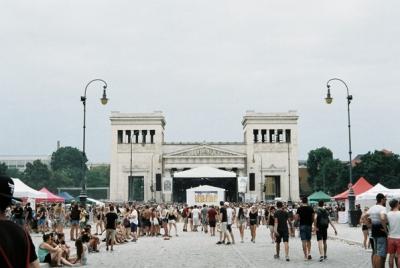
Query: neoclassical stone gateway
pixel 263 167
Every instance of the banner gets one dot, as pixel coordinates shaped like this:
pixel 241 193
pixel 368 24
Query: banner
pixel 167 183
pixel 242 184
pixel 206 197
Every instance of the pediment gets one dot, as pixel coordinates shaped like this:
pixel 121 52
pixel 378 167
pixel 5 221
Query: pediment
pixel 205 151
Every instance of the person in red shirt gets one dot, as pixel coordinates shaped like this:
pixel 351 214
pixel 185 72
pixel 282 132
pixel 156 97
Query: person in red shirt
pixel 211 215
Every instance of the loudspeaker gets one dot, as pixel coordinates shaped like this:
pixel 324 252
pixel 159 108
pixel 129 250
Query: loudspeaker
pixel 158 182
pixel 252 186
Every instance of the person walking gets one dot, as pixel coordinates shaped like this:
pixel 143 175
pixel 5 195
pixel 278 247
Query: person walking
pixel 393 217
pixel 253 216
pixel 281 230
pixel 321 223
pixel 230 220
pixel 241 221
pixel 365 229
pixel 204 221
pixel 378 217
pixel 16 247
pixel 271 223
pixel 305 216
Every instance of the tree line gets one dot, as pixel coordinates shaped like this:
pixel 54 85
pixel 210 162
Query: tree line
pixel 65 170
pixel 332 175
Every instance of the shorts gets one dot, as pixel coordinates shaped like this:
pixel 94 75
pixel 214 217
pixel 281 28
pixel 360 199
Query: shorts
pixel 133 227
pixel 110 234
pixel 253 221
pixel 41 221
pixel 212 223
pixel 47 259
pixel 229 227
pixel 322 234
pixel 165 220
pixel 393 246
pixel 305 232
pixel 380 246
pixel 185 220
pixel 74 222
pixel 282 235
pixel 364 227
pixel 171 221
pixel 146 223
pixel 223 227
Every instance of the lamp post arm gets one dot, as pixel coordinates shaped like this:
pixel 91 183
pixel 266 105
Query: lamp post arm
pixel 340 80
pixel 94 80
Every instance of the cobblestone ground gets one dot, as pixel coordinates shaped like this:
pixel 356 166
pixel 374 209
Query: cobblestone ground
pixel 193 249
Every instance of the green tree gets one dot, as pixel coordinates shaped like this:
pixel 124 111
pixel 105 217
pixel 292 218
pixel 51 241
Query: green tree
pixel 379 166
pixel 3 169
pixel 315 162
pixel 98 176
pixel 15 173
pixel 333 177
pixel 69 160
pixel 37 174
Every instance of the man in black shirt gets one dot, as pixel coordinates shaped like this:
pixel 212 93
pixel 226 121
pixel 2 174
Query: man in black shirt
pixel 223 217
pixel 111 220
pixel 305 214
pixel 28 213
pixel 281 230
pixel 16 247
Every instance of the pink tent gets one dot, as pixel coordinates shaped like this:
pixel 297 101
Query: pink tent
pixel 50 197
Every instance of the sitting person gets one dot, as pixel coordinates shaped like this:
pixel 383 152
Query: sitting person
pixel 82 249
pixel 51 254
pixel 60 240
pixel 94 241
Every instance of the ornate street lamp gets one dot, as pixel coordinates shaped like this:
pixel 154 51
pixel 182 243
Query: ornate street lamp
pixel 104 100
pixel 351 195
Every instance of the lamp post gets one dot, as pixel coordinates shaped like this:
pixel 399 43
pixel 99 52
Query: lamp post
pixel 104 100
pixel 288 153
pixel 328 100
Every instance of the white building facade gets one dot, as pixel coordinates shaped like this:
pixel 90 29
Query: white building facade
pixel 264 166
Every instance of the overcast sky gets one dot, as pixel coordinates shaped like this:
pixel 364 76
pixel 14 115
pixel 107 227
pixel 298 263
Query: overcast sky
pixel 203 63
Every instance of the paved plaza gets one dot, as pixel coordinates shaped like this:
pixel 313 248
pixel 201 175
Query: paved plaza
pixel 193 249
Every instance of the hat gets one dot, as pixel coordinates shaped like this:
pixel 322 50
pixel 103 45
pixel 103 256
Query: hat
pixel 226 203
pixel 7 188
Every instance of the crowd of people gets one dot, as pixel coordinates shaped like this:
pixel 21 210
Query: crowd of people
pixel 115 224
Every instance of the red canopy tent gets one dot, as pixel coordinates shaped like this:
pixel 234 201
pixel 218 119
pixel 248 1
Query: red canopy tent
pixel 50 197
pixel 361 186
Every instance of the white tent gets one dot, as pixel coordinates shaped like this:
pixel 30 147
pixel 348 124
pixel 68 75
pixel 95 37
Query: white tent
pixel 204 194
pixel 368 198
pixel 205 172
pixel 97 202
pixel 22 190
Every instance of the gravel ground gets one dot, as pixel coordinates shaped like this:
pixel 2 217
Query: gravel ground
pixel 196 249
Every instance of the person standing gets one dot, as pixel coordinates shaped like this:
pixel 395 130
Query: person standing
pixel 212 221
pixel 223 218
pixel 74 216
pixel 378 217
pixel 230 219
pixel 321 223
pixel 111 226
pixel 281 230
pixel 305 215
pixel 16 247
pixel 133 219
pixel 204 222
pixel 393 217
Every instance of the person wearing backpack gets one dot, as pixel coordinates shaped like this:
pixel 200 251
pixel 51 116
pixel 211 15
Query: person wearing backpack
pixel 321 224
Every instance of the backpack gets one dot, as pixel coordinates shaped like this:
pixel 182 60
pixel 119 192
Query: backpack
pixel 322 218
